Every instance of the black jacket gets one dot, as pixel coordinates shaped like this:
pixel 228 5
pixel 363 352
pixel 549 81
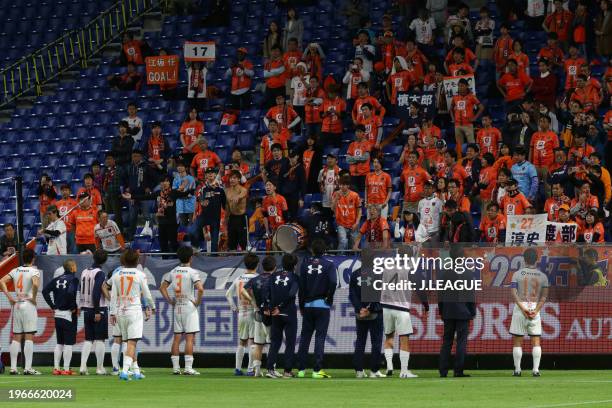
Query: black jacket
pixel 453 304
pixel 122 149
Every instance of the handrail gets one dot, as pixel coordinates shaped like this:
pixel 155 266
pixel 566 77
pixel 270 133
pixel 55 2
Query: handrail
pixel 75 47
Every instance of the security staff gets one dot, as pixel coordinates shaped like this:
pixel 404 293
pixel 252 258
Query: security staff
pixel 284 286
pixel 456 308
pixel 369 319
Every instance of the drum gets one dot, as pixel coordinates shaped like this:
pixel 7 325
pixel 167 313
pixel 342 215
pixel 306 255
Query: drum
pixel 289 237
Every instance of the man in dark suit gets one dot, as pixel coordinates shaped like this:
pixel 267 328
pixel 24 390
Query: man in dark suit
pixel 456 308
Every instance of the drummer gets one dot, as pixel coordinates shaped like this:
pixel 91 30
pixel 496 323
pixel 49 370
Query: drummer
pixel 274 208
pixel 375 229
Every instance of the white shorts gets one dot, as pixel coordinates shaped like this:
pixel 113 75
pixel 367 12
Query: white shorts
pixel 521 326
pixel 115 331
pixel 261 333
pixel 186 318
pixel 397 321
pixel 25 318
pixel 246 325
pixel 130 325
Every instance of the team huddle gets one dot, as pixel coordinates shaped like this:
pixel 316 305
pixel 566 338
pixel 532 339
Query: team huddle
pixel 267 298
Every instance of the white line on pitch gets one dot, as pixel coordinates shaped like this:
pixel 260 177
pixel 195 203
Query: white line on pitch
pixel 571 404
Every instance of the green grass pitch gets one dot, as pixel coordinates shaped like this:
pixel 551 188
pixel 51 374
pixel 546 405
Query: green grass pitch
pixel 219 388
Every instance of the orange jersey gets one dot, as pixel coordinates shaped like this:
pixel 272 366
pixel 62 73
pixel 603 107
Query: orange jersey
pixel 191 130
pixel 133 52
pixel 551 207
pixel 514 85
pixel 588 233
pixel 488 176
pixel 400 81
pixel 275 81
pixel 572 68
pixel 553 55
pixel 311 111
pixel 419 62
pixel 503 162
pixel 273 208
pixel 591 202
pixel 460 69
pixel 332 108
pixel 428 138
pixel 373 230
pixel 241 81
pixel 488 140
pixel 560 22
pixel 491 229
pixel 414 180
pixel 503 48
pixel 347 208
pixel 84 223
pixel 204 161
pixel 44 201
pixel 359 149
pixel 589 97
pixel 463 108
pixel 94 195
pixel 377 187
pixel 514 205
pixel 376 106
pixel 65 205
pixel 469 56
pixel 155 147
pixel 522 62
pixel 284 115
pixel 291 59
pixel 457 172
pixel 580 152
pixel 542 147
pixel 372 124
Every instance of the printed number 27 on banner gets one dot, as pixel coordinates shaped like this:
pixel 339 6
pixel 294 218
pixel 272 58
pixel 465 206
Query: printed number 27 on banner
pixel 199 51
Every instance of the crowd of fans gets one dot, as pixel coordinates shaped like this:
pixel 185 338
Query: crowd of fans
pixel 537 140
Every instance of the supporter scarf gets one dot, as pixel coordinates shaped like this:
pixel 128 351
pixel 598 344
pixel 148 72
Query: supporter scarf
pixel 109 175
pixel 196 83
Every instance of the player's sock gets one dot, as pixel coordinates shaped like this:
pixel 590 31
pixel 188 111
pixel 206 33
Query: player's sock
pixel 239 356
pixel 188 362
pixel 28 352
pixel 100 350
pixel 389 358
pixel 57 356
pixel 251 352
pixel 115 349
pixel 124 350
pixel 257 367
pixel 404 358
pixel 67 357
pixel 537 355
pixel 209 246
pixel 14 351
pixel 135 368
pixel 85 351
pixel 176 364
pixel 517 354
pixel 127 363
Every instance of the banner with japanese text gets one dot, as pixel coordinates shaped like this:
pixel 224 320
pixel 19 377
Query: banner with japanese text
pixel 451 86
pixel 536 229
pixel 162 70
pixel 426 100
